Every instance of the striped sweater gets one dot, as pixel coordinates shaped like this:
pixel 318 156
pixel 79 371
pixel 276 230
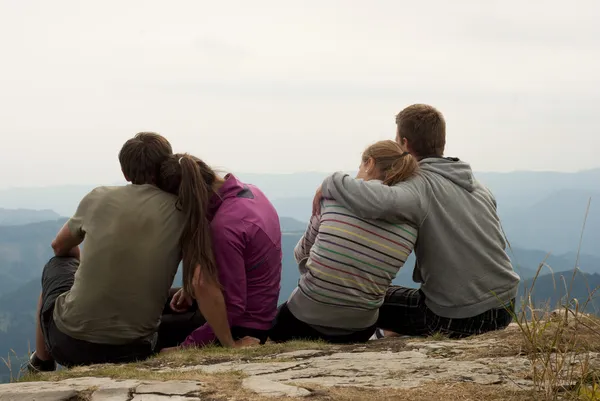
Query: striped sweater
pixel 346 265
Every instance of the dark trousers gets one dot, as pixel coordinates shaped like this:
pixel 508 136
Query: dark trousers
pixel 175 327
pixel 287 327
pixel 57 278
pixel 404 312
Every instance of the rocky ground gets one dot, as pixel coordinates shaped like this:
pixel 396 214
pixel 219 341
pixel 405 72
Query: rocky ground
pixel 489 367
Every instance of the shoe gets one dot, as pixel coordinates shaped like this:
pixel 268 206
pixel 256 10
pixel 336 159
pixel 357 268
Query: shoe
pixel 36 365
pixel 377 335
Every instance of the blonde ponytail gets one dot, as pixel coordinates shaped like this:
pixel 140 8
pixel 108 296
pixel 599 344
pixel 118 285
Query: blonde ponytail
pixel 391 161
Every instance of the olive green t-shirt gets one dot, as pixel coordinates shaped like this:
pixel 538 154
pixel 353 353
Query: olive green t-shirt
pixel 128 263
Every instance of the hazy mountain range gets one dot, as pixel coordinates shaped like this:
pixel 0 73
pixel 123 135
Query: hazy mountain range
pixel 539 210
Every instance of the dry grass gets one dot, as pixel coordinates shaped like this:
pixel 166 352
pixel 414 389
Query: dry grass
pixel 150 369
pixel 561 343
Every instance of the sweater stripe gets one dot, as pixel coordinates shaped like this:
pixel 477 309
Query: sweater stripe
pixel 355 259
pixel 368 232
pixel 379 227
pixel 364 238
pixel 346 272
pixel 337 238
pixel 398 226
pixel 350 301
pixel 351 266
pixel 371 294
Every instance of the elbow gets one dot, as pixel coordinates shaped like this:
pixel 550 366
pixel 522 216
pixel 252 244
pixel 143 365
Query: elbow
pixel 58 251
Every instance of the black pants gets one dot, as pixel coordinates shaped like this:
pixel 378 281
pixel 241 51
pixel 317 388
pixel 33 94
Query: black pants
pixel 287 327
pixel 404 312
pixel 57 278
pixel 175 327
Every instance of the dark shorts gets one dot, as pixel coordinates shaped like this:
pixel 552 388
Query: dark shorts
pixel 287 327
pixel 57 278
pixel 176 327
pixel 404 312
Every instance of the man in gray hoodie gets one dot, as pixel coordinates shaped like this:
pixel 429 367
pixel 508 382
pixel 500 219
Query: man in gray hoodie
pixel 468 285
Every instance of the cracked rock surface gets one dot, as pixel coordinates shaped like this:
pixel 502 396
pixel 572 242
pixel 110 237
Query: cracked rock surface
pixel 102 389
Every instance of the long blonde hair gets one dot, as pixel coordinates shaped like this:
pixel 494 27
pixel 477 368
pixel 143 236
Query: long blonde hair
pixel 391 161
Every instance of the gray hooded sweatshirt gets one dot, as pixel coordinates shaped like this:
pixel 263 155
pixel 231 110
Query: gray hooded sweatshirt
pixel 462 264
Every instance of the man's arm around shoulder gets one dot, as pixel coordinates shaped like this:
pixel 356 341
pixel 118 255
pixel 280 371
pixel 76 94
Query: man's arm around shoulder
pixel 374 200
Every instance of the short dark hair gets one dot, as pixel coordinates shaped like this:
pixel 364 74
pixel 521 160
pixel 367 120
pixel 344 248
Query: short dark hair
pixel 424 128
pixel 142 155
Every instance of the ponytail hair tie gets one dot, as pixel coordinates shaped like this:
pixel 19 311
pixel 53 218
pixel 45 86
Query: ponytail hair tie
pixel 181 158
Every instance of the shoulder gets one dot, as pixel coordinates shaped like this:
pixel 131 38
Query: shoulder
pixel 100 193
pixel 484 191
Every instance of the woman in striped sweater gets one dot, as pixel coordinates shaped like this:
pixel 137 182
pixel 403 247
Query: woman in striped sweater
pixel 347 263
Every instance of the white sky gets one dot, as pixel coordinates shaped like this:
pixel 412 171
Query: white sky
pixel 281 86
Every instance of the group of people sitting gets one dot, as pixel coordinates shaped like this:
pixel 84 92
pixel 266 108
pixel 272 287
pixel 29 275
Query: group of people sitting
pixel 113 303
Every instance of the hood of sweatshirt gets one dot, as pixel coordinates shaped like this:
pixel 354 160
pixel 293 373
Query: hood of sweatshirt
pixel 452 169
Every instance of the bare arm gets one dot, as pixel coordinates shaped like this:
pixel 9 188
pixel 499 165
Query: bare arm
pixel 72 233
pixel 66 244
pixel 212 306
pixel 222 306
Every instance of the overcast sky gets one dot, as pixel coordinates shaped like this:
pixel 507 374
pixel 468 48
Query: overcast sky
pixel 281 86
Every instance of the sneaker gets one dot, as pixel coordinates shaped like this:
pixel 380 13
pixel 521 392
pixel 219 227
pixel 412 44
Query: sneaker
pixel 377 335
pixel 36 365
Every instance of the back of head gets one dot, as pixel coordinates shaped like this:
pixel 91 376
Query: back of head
pixel 392 163
pixel 424 129
pixel 191 180
pixel 142 155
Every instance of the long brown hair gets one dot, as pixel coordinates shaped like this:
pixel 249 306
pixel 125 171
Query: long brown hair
pixel 391 161
pixel 192 181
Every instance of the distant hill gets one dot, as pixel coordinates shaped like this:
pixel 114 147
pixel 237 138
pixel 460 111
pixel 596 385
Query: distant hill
pixel 10 217
pixel 561 288
pixel 555 223
pixel 24 249
pixel 289 224
pixel 523 189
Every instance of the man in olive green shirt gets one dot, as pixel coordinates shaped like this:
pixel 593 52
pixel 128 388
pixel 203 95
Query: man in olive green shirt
pixel 106 307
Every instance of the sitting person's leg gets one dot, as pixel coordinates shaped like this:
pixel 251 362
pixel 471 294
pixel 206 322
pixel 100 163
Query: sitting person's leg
pixel 57 278
pixel 287 327
pixel 491 320
pixel 69 351
pixel 404 312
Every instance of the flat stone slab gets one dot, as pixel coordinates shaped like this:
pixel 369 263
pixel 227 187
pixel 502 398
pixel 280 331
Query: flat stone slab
pixel 169 388
pixel 270 388
pixel 103 389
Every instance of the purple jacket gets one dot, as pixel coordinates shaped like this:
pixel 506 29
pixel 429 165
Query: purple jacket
pixel 247 244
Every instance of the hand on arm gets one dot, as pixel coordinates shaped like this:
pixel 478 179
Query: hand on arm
pixel 181 301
